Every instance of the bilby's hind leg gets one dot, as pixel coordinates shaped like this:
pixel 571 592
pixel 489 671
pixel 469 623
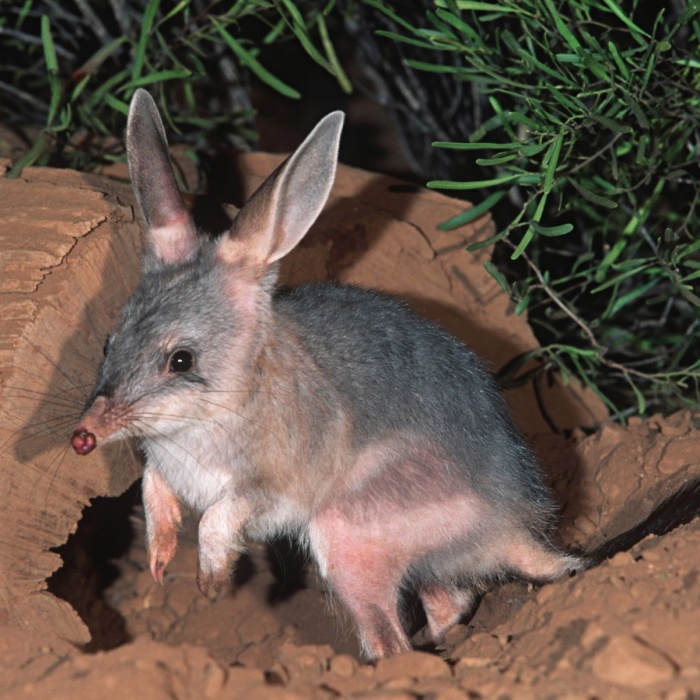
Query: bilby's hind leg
pixel 444 606
pixel 365 575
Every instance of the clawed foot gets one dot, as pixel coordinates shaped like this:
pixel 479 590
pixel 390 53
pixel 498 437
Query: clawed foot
pixel 161 553
pixel 210 582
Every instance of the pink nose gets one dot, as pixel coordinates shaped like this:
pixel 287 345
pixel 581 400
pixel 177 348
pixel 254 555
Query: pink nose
pixel 83 441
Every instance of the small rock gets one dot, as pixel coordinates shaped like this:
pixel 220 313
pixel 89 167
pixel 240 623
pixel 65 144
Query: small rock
pixel 455 635
pixel 621 559
pixel 472 662
pixel 591 635
pixel 678 694
pixel 416 664
pixel 344 665
pixel 448 694
pixel 400 683
pixel 627 662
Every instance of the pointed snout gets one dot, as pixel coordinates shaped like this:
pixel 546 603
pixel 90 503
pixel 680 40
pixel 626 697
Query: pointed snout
pixel 92 426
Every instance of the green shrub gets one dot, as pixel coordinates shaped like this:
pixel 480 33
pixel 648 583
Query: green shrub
pixel 594 131
pixel 73 66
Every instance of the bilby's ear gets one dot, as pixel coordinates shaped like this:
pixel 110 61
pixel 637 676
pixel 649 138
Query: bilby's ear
pixel 284 207
pixel 171 237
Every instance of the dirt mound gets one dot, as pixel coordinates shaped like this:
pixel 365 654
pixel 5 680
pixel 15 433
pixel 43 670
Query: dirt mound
pixel 69 257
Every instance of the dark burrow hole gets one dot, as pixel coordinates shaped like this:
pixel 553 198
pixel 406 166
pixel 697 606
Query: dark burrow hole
pixel 104 534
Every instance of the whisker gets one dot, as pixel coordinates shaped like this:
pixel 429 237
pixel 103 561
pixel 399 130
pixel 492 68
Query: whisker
pixel 58 423
pixel 54 365
pixel 87 358
pixel 47 398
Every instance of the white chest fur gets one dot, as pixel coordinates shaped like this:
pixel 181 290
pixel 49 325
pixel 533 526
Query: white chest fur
pixel 192 466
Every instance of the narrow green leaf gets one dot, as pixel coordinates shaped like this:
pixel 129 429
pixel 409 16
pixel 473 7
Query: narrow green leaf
pixel 479 184
pixel 532 149
pixel 524 242
pixel 141 48
pixel 497 160
pixel 247 59
pixel 562 29
pixel 641 401
pixel 568 58
pixel 522 305
pixel 391 14
pixel 530 232
pixel 407 40
pixel 560 230
pixel 22 15
pixel 639 158
pixel 39 149
pixel 629 297
pixel 159 77
pixel 497 275
pixel 688 249
pixel 100 91
pixel 614 7
pixel 573 350
pixel 572 104
pixel 489 7
pixel 442 29
pixel 473 247
pixel 51 69
pixel 637 110
pixel 459 24
pixel 49 47
pixel 691 277
pixel 619 278
pixel 592 197
pixel 176 10
pixel 543 67
pixel 293 10
pixel 301 32
pixel 610 257
pixel 102 54
pixel 552 159
pixel 519 118
pixel 474 146
pixel 609 123
pixel 337 68
pixel 504 119
pixel 275 32
pixel 80 86
pixel 619 60
pixel 433 67
pixel 473 212
pixel 116 104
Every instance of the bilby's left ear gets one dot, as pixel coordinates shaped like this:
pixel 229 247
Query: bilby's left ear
pixel 171 236
pixel 284 207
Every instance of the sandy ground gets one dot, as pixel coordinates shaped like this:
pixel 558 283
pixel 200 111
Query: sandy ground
pixel 626 628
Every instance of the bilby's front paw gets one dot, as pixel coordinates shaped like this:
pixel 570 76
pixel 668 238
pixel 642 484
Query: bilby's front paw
pixel 161 552
pixel 210 582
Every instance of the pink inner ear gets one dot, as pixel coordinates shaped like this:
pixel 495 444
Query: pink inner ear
pixel 175 243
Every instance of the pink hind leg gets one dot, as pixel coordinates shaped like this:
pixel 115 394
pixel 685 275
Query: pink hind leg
pixel 365 575
pixel 444 606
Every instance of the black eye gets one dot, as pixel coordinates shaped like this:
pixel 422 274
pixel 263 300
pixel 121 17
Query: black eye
pixel 105 347
pixel 181 361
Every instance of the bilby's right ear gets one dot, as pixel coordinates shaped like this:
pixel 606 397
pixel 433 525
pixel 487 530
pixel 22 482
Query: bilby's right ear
pixel 171 238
